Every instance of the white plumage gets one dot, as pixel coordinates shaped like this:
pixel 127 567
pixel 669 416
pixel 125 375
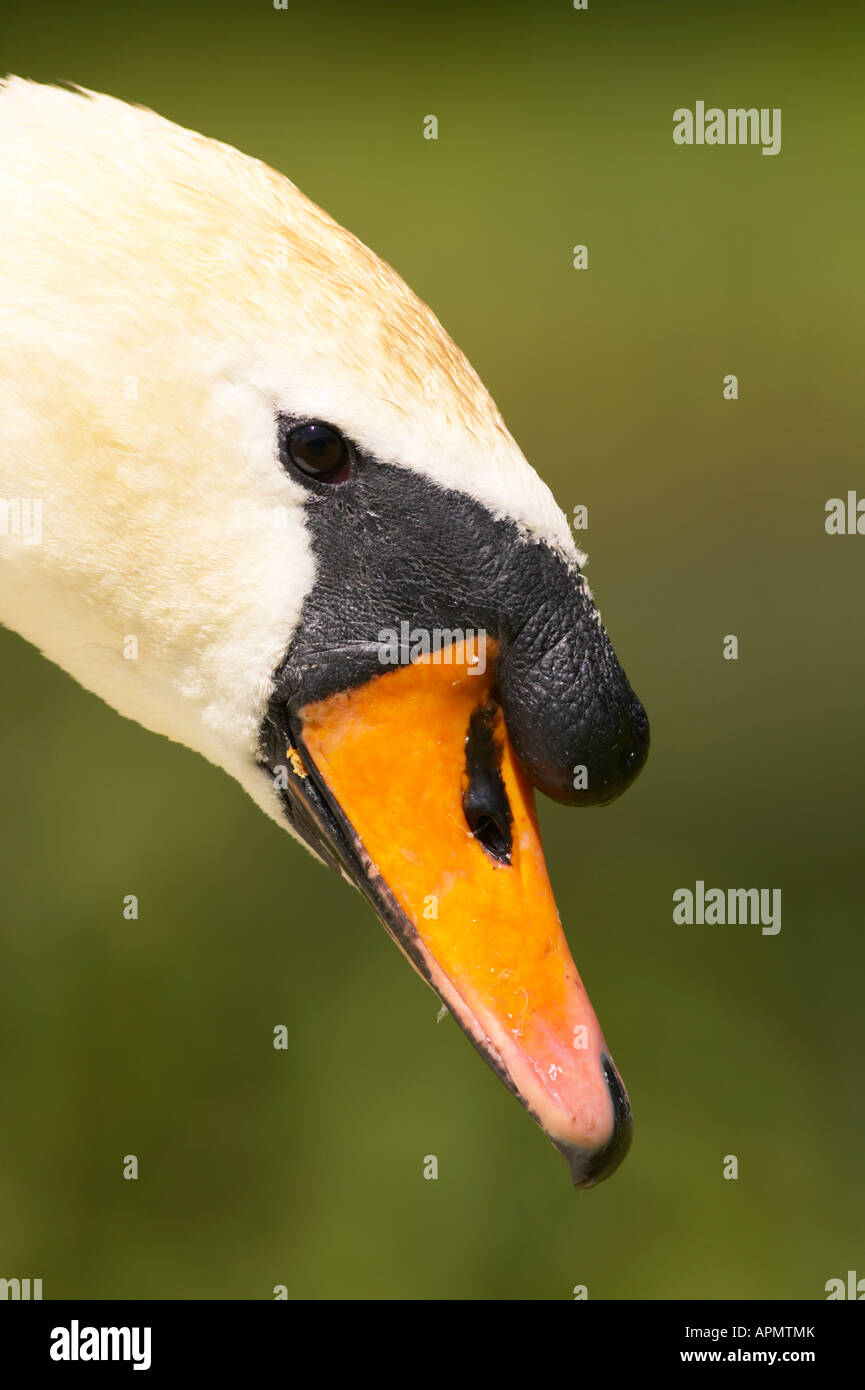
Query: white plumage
pixel 162 296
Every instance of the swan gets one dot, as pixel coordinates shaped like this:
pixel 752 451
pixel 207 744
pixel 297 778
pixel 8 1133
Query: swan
pixel 281 521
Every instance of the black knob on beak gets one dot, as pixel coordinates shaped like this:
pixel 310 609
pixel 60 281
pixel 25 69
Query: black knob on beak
pixel 612 758
pixel 599 757
pixel 576 725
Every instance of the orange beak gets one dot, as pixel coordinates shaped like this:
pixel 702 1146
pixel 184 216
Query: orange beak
pixel 437 825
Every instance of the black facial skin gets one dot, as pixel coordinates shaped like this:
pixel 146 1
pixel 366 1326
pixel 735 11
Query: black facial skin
pixel 393 546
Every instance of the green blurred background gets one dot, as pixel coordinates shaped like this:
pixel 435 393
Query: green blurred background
pixel 705 518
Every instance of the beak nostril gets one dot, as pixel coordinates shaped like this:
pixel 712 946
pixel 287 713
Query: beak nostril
pixel 485 800
pixel 488 830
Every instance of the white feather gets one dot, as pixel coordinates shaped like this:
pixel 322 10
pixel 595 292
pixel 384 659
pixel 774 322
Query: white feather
pixel 162 295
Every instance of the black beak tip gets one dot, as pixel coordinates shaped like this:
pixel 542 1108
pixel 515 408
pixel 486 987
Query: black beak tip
pixel 587 1168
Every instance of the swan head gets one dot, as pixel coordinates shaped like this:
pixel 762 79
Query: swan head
pixel 284 523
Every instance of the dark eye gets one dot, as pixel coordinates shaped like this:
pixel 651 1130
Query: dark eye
pixel 319 451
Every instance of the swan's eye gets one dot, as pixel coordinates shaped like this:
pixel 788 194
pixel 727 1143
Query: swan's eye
pixel 319 451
